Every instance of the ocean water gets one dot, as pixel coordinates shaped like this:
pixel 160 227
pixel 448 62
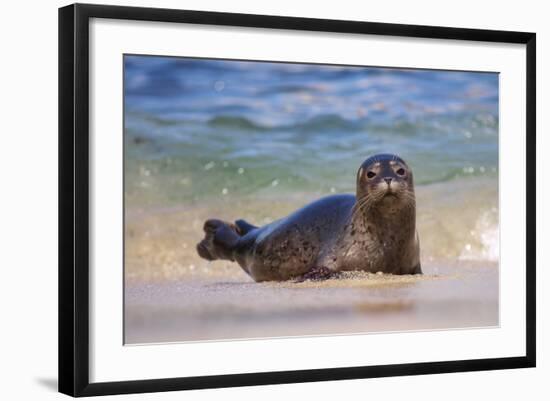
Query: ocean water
pixel 258 139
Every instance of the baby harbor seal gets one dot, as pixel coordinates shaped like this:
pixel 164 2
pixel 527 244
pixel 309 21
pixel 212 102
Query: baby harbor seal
pixel 373 230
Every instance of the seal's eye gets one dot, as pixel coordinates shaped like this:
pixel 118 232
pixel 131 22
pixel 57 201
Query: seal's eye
pixel 371 174
pixel 401 171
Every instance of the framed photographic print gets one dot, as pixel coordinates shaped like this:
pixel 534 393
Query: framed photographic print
pixel 250 199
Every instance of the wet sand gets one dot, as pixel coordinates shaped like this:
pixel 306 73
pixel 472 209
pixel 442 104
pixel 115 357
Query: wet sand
pixel 226 305
pixel 172 295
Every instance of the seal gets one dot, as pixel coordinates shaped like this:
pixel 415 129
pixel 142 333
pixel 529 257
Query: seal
pixel 373 230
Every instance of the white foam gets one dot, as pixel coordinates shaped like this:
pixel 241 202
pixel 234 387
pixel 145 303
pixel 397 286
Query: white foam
pixel 487 233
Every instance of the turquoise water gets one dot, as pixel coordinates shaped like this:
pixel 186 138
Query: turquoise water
pixel 200 129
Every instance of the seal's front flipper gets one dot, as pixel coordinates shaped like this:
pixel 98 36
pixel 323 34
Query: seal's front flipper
pixel 417 269
pixel 219 241
pixel 244 227
pixel 317 274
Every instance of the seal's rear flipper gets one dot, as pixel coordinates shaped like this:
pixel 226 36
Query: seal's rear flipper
pixel 219 241
pixel 244 226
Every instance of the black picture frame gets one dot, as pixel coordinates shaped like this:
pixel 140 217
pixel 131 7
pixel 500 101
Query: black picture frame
pixel 74 198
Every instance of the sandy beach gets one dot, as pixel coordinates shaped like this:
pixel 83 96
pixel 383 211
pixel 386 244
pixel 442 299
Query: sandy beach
pixel 172 295
pixel 225 305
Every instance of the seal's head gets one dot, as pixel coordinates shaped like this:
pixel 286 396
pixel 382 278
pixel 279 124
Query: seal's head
pixel 384 180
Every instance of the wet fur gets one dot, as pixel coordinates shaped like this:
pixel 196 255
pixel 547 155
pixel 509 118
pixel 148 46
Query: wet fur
pixel 373 231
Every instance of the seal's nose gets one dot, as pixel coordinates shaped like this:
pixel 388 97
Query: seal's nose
pixel 388 180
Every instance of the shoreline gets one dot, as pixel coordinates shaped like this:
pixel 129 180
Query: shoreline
pixel 160 240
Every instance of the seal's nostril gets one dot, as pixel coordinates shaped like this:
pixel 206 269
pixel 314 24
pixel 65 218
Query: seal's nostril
pixel 388 180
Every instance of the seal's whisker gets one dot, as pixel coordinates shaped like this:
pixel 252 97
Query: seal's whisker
pixel 359 206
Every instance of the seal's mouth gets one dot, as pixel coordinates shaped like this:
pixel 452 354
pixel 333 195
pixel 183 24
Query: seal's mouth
pixel 390 193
